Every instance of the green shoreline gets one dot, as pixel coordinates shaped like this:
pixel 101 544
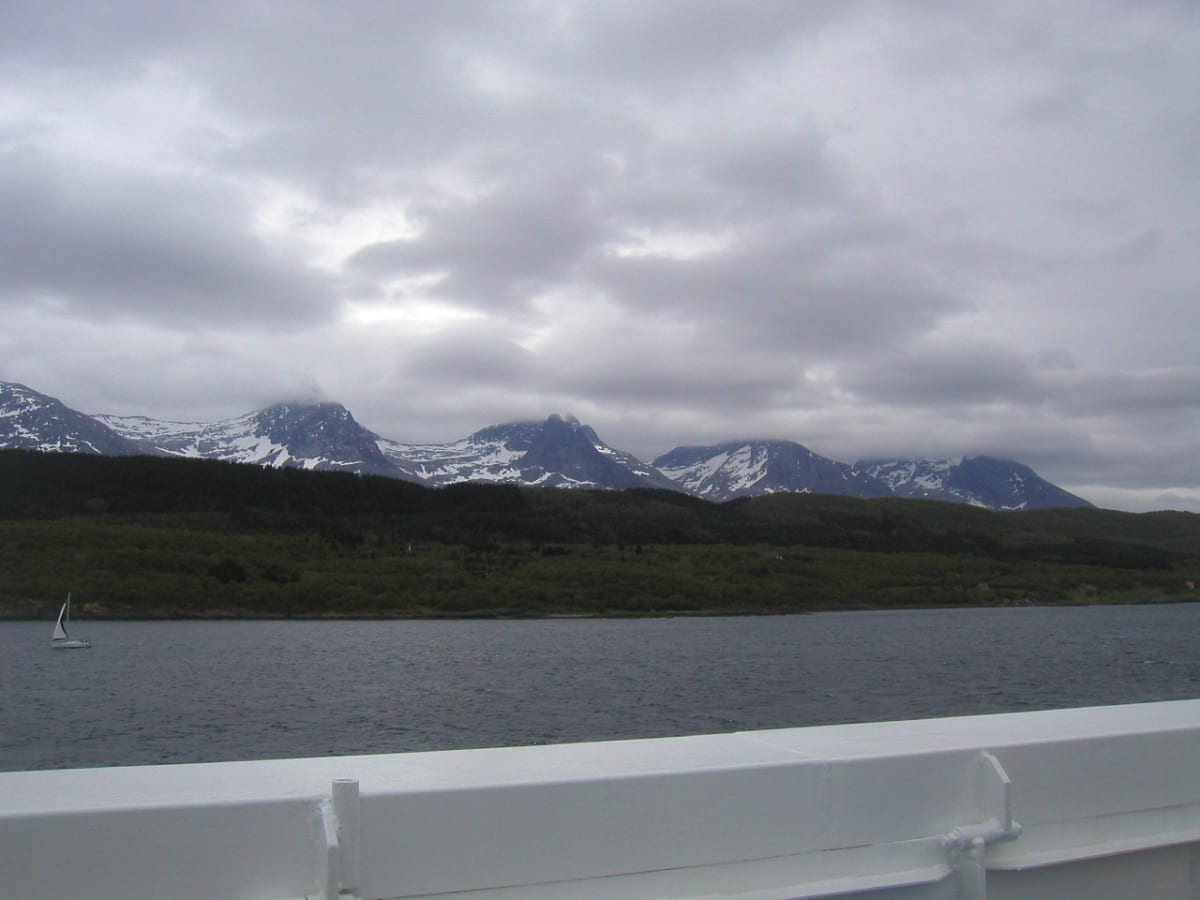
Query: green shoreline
pixel 7 615
pixel 150 538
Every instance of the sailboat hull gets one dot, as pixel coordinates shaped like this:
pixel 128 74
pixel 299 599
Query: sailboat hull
pixel 71 644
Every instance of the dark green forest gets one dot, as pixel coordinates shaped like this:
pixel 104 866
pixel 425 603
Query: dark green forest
pixel 146 537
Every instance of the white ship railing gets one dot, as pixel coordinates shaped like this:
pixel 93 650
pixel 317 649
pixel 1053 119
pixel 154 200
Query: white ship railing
pixel 1084 803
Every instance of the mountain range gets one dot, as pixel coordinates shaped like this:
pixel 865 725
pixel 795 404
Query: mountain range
pixel 557 452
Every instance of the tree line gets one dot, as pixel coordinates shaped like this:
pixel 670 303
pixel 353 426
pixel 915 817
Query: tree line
pixel 148 536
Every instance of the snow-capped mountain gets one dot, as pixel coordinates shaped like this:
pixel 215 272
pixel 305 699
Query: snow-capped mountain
pixel 325 436
pixel 559 452
pixel 320 436
pixel 33 421
pixel 750 468
pixel 977 480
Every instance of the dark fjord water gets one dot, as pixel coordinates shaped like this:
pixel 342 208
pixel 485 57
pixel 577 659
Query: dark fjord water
pixel 172 692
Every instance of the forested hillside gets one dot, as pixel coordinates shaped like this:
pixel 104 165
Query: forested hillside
pixel 142 536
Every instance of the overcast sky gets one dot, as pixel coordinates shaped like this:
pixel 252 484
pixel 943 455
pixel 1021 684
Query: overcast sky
pixel 877 229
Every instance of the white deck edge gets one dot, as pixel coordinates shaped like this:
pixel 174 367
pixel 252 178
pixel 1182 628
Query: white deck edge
pixel 1069 801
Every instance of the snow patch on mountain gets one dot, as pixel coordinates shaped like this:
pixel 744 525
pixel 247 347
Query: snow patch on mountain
pixel 321 436
pixel 557 452
pixel 33 421
pixel 470 459
pixel 696 477
pixel 749 468
pixel 922 478
pixel 975 480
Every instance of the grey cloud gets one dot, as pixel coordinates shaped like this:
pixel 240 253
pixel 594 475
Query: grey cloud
pixel 1137 249
pixel 663 364
pixel 752 177
pixel 542 230
pixel 498 250
pixel 105 243
pixel 1171 393
pixel 947 376
pixel 965 40
pixel 101 37
pixel 340 94
pixel 638 44
pixel 796 293
pixel 1130 465
pixel 706 180
pixel 809 260
pixel 465 357
pixel 1048 107
pixel 960 376
pixel 789 170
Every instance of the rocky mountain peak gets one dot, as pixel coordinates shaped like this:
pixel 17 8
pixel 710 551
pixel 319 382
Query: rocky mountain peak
pixel 977 480
pixel 749 468
pixel 33 421
pixel 557 452
pixel 285 420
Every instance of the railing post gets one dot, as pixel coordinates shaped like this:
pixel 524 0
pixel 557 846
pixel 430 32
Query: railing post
pixel 346 810
pixel 338 863
pixel 972 874
pixel 967 844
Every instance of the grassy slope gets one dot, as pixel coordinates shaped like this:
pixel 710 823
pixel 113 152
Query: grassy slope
pixel 160 537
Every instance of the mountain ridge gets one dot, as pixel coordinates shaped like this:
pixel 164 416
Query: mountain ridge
pixel 735 469
pixel 557 452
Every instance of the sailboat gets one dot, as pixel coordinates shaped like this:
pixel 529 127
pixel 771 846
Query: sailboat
pixel 62 640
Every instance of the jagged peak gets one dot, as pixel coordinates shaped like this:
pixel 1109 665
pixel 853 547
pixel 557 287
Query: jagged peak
pixel 294 406
pixel 314 431
pixel 773 446
pixel 13 390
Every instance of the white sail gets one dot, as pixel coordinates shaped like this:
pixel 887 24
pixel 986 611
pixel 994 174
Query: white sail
pixel 60 633
pixel 61 640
